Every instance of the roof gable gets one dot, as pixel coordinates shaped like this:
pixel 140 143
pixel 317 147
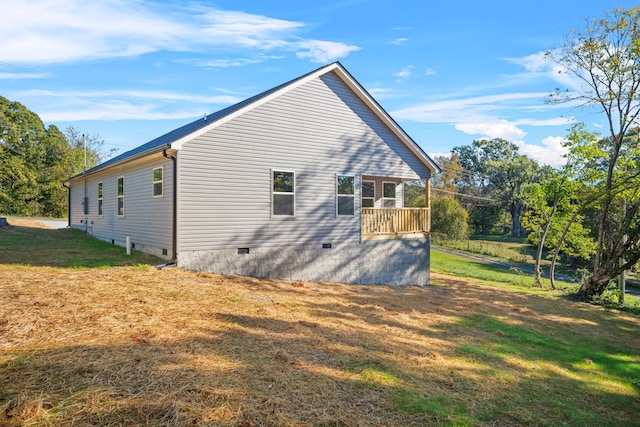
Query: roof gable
pixel 177 137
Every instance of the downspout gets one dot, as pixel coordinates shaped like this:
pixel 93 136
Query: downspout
pixel 66 185
pixel 174 216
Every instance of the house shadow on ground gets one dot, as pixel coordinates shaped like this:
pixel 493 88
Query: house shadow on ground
pixel 68 248
pixel 181 348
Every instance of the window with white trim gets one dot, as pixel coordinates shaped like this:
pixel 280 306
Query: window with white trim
pixel 283 196
pixel 158 182
pixel 100 199
pixel 121 196
pixel 345 195
pixel 368 194
pixel 389 194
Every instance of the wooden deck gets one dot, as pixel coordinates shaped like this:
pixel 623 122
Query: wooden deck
pixel 394 222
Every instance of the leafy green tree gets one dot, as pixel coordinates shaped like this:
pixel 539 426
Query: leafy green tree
pixel 551 203
pixel 20 152
pixel 53 170
pixel 605 57
pixel 542 203
pixel 500 174
pixel 450 173
pixel 449 219
pixel 34 161
pixel 95 151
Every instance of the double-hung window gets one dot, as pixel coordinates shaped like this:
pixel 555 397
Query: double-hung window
pixel 389 194
pixel 345 195
pixel 283 200
pixel 100 198
pixel 368 194
pixel 158 182
pixel 121 196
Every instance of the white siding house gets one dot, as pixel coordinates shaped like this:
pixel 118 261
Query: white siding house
pixel 301 182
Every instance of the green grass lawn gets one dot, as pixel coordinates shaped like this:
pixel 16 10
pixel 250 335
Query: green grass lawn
pixel 512 278
pixel 68 248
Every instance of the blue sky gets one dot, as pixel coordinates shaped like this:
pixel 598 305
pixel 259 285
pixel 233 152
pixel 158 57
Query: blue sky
pixel 448 72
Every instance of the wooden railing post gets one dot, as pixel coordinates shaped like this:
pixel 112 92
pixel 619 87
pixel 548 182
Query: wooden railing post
pixel 395 220
pixel 427 199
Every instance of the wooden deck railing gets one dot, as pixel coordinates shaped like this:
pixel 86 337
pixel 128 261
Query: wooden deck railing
pixel 395 220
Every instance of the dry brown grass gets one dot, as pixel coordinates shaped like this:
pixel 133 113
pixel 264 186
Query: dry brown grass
pixel 139 346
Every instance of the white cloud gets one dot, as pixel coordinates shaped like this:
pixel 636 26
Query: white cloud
pixel 16 76
pixel 540 66
pixel 430 72
pixel 404 73
pixel 551 151
pixel 399 40
pixel 554 121
pixel 130 94
pixel 501 129
pixel 498 116
pixel 75 30
pixel 378 91
pixel 467 110
pixel 323 51
pixel 225 62
pixel 121 104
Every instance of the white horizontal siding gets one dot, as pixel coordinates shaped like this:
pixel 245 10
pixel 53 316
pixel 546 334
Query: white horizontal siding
pixel 318 130
pixel 147 220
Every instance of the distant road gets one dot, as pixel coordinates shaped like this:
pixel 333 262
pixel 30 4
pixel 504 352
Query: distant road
pixel 54 223
pixel 50 223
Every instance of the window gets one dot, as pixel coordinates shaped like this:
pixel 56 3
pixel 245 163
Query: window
pixel 121 196
pixel 368 194
pixel 157 182
pixel 284 196
pixel 345 194
pixel 389 194
pixel 100 199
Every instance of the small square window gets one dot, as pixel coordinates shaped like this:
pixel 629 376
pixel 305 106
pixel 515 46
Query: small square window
pixel 283 196
pixel 389 194
pixel 345 195
pixel 121 196
pixel 100 205
pixel 158 181
pixel 368 194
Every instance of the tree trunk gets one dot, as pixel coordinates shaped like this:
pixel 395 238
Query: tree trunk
pixel 604 215
pixel 537 269
pixel 557 249
pixel 595 286
pixel 516 215
pixel 543 237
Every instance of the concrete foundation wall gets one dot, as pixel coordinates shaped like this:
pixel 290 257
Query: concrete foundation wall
pixel 394 262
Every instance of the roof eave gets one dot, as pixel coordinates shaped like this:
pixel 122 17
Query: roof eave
pixel 99 168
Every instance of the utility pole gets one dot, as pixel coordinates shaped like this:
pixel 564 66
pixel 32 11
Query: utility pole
pixel 84 142
pixel 623 281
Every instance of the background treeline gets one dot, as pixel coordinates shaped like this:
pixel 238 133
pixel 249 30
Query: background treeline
pixel 488 187
pixel 35 160
pixel 590 208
